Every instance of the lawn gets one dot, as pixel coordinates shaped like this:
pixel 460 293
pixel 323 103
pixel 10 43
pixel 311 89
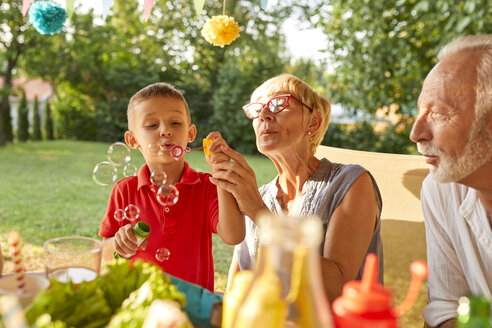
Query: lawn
pixel 47 190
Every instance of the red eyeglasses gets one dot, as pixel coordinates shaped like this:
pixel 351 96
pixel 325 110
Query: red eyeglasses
pixel 274 105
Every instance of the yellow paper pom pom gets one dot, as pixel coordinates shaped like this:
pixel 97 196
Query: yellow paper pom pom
pixel 220 30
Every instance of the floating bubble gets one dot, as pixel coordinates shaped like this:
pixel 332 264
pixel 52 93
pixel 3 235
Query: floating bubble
pixel 162 254
pixel 155 150
pixel 129 170
pixel 132 212
pixel 167 195
pixel 177 151
pixel 119 215
pixel 158 178
pixel 104 173
pixel 119 154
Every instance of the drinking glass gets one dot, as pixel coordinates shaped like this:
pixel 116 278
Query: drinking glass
pixel 72 258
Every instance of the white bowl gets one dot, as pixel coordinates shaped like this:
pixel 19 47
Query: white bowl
pixel 35 282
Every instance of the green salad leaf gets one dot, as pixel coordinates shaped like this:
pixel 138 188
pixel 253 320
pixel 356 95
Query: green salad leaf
pixel 123 287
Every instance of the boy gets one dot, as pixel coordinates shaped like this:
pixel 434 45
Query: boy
pixel 158 116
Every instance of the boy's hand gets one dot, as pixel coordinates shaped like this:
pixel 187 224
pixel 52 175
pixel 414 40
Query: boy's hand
pixel 216 150
pixel 125 242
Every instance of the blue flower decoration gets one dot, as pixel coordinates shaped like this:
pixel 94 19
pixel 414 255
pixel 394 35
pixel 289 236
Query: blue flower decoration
pixel 47 17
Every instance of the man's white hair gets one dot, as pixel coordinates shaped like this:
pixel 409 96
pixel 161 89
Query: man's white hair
pixel 483 85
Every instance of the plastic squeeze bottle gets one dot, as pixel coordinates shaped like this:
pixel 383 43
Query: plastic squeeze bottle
pixel 368 304
pixel 141 231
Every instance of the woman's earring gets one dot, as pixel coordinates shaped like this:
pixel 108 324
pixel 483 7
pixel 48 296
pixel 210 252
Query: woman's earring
pixel 309 133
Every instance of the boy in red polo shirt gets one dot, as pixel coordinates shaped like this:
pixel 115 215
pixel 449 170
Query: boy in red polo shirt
pixel 158 117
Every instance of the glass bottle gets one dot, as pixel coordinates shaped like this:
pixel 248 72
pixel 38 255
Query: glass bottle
pixel 141 231
pixel 234 297
pixel 473 312
pixel 287 289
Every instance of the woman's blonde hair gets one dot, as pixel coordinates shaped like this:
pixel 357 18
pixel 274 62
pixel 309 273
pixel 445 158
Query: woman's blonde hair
pixel 301 90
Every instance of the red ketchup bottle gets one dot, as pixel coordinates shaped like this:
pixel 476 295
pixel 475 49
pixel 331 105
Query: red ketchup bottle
pixel 368 304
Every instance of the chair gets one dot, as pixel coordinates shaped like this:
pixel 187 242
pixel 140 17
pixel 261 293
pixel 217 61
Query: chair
pixel 399 178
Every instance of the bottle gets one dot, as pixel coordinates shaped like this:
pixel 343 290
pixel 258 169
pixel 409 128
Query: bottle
pixel 287 289
pixel 368 304
pixel 141 231
pixel 234 297
pixel 473 312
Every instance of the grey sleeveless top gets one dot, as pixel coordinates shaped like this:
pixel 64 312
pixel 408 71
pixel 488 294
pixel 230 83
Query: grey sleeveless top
pixel 321 195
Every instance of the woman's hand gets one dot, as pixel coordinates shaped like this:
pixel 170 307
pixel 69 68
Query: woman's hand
pixel 215 149
pixel 235 176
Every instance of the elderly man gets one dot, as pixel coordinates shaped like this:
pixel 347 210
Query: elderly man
pixel 453 131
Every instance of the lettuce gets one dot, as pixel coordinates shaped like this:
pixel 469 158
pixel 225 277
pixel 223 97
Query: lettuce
pixel 123 287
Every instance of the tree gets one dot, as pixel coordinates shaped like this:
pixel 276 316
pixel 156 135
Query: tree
pixel 48 122
pixel 6 120
pixel 382 50
pixel 237 79
pixel 16 36
pixel 23 119
pixel 228 75
pixel 36 121
pixel 110 63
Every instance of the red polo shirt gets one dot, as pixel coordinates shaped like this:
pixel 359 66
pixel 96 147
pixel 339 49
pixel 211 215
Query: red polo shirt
pixel 184 228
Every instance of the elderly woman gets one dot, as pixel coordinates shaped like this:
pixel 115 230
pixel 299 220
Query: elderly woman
pixel 290 120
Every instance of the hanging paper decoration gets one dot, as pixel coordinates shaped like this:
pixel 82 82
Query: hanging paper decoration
pixel 70 8
pixel 148 4
pixel 264 4
pixel 106 6
pixel 47 17
pixel 25 7
pixel 198 6
pixel 220 30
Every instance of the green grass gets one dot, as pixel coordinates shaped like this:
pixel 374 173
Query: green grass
pixel 46 190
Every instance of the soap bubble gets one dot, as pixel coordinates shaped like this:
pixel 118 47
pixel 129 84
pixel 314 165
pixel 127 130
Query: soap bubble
pixel 162 254
pixel 129 170
pixel 158 178
pixel 119 215
pixel 167 195
pixel 105 174
pixel 119 154
pixel 176 151
pixel 132 212
pixel 155 150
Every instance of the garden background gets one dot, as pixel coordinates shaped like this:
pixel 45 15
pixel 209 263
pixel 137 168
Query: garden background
pixel 376 56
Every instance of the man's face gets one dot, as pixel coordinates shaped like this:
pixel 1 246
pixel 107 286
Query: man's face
pixel 446 130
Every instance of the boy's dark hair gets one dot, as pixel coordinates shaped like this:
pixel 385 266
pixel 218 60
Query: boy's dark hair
pixel 160 89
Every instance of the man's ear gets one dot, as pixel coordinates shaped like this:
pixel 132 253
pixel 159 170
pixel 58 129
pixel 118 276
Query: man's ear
pixel 130 140
pixel 191 133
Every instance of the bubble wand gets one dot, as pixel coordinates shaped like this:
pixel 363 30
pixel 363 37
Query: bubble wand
pixel 15 252
pixel 178 151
